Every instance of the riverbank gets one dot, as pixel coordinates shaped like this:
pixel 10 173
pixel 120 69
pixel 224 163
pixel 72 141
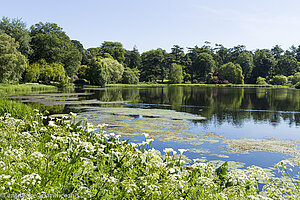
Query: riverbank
pixel 199 85
pixel 74 160
pixel 5 88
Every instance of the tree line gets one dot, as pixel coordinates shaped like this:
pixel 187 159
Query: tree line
pixel 44 53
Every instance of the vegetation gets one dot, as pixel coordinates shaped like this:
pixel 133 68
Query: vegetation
pixel 47 43
pixel 25 87
pixel 77 161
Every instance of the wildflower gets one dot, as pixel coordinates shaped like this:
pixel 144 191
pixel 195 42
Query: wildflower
pixel 52 123
pixel 146 135
pixel 182 151
pixel 73 114
pixel 172 170
pixel 168 150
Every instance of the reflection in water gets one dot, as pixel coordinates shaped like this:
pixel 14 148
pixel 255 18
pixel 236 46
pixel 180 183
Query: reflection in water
pixel 220 105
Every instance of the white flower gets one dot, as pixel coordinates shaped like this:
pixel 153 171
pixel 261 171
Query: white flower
pixel 168 150
pixel 146 135
pixel 172 170
pixel 52 123
pixel 182 151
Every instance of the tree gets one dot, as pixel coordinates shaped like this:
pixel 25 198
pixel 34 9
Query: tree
pixel 17 30
pixel 231 72
pixel 277 51
pixel 279 80
pixel 294 78
pixel 263 62
pixel 203 65
pixel 132 59
pixel 129 77
pixel 104 71
pixel 115 49
pixel 245 60
pixel 286 65
pixel 153 65
pixel 46 73
pixel 49 42
pixel 176 74
pixel 12 62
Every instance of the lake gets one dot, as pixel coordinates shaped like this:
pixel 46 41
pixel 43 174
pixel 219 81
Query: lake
pixel 247 126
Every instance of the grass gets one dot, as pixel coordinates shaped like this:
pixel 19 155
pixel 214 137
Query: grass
pixel 200 85
pixel 8 88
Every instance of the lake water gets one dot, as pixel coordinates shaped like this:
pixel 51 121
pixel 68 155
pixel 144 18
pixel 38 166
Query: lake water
pixel 249 126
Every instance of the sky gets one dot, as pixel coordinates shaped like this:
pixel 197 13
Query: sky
pixel 152 24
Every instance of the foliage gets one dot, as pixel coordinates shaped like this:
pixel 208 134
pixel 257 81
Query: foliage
pixel 175 75
pixel 17 30
pixel 297 85
pixel 75 160
pixel 104 71
pixel 129 77
pixel 279 80
pixel 153 65
pixel 12 62
pixel 231 72
pixel 286 65
pixel 132 59
pixel 115 49
pixel 203 65
pixel 264 61
pixel 294 78
pixel 43 72
pixel 245 60
pixel 261 81
pixel 50 43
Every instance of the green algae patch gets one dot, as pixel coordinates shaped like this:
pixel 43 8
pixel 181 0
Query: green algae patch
pixel 220 155
pixel 159 113
pixel 244 145
pixel 198 150
pixel 214 136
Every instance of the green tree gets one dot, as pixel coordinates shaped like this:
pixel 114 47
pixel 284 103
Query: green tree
pixel 115 49
pixel 261 81
pixel 286 65
pixel 263 62
pixel 129 77
pixel 277 51
pixel 294 78
pixel 17 30
pixel 12 62
pixel 49 42
pixel 46 73
pixel 153 65
pixel 105 71
pixel 279 80
pixel 132 59
pixel 245 60
pixel 203 65
pixel 231 72
pixel 176 74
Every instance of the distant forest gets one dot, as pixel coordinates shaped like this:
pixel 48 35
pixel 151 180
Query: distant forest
pixel 44 53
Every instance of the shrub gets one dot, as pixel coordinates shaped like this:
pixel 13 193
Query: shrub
pixel 297 85
pixel 261 81
pixel 129 77
pixel 294 78
pixel 231 72
pixel 176 74
pixel 279 80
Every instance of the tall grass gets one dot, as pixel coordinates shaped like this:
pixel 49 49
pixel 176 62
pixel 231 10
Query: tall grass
pixel 25 87
pixel 16 109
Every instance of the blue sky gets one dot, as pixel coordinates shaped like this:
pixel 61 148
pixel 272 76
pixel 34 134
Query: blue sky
pixel 152 24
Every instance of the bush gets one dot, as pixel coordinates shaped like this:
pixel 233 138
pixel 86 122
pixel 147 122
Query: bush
pixel 279 80
pixel 176 74
pixel 129 77
pixel 261 81
pixel 231 72
pixel 297 85
pixel 43 72
pixel 294 78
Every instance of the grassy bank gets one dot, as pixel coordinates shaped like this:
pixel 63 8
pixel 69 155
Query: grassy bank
pixel 200 85
pixel 8 88
pixel 71 160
